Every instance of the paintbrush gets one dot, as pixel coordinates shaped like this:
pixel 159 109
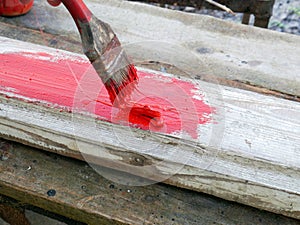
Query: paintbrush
pixel 103 49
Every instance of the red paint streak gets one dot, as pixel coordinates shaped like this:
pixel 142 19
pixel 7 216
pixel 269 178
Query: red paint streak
pixel 157 103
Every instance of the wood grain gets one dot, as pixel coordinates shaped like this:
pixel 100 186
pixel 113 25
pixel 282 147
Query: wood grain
pixel 249 155
pixel 83 195
pixel 225 49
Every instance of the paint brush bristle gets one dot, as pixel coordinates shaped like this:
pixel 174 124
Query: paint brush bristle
pixel 120 84
pixel 112 63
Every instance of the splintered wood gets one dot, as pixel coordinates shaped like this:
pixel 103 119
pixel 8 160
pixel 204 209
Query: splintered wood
pixel 234 144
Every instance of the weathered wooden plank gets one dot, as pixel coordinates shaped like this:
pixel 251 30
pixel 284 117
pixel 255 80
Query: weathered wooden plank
pixel 224 49
pixel 82 194
pixel 250 154
pixel 72 44
pixel 35 36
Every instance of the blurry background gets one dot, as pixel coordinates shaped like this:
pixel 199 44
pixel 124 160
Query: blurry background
pixel 286 15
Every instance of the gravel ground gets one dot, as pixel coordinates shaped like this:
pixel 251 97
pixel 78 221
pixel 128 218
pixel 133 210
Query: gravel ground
pixel 286 15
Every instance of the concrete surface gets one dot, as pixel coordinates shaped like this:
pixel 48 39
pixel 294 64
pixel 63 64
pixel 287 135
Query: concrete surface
pixel 195 43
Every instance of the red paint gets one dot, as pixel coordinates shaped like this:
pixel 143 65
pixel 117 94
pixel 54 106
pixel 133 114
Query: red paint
pixel 157 102
pixel 117 91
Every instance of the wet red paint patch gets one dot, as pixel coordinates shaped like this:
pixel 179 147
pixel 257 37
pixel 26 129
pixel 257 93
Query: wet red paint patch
pixel 158 103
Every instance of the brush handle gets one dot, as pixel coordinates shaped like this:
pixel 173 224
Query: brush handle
pixel 83 18
pixel 78 10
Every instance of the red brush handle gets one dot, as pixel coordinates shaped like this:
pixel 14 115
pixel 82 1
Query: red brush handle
pixel 83 19
pixel 78 10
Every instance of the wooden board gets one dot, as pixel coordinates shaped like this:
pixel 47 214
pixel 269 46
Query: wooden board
pixel 225 49
pixel 249 153
pixel 83 195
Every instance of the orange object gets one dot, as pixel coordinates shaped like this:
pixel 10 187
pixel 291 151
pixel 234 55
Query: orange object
pixel 15 7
